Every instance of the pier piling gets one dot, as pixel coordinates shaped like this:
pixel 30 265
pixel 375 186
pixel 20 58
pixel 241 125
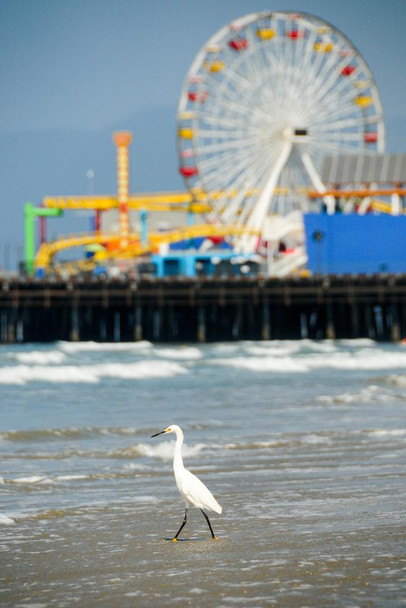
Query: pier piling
pixel 203 310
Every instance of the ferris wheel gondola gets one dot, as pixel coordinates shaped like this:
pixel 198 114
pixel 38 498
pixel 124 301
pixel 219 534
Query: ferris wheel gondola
pixel 264 101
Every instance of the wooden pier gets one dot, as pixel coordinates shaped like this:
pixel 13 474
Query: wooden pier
pixel 203 310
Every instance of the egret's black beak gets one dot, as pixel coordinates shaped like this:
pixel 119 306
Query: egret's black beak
pixel 156 434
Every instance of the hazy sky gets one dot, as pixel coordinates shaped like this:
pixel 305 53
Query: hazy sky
pixel 73 71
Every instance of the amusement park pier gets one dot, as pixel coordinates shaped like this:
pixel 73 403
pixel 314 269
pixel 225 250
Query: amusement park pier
pixel 291 224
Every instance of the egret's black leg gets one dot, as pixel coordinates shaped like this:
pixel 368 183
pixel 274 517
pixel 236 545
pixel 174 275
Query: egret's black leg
pixel 182 526
pixel 208 521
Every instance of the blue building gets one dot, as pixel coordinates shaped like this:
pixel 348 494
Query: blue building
pixel 191 263
pixel 351 244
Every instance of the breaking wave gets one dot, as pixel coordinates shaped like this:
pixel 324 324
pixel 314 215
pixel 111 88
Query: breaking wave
pixel 364 359
pixel 39 357
pixel 40 435
pixel 90 374
pixel 80 347
pixel 164 449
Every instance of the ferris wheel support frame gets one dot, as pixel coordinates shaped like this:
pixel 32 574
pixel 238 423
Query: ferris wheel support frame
pixel 317 181
pixel 258 214
pixel 265 99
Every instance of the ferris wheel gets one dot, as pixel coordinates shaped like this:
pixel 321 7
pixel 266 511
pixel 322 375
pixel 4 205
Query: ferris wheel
pixel 264 101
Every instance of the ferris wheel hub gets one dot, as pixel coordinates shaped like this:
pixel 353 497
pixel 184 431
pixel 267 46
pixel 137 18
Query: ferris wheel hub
pixel 295 134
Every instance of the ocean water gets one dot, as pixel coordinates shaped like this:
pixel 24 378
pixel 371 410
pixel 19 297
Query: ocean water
pixel 302 443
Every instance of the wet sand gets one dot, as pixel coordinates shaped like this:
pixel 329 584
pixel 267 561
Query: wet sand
pixel 123 556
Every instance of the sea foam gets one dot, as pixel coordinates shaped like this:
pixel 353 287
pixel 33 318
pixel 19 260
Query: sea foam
pixel 21 374
pixel 31 479
pixel 41 357
pixel 265 364
pixel 371 393
pixel 74 347
pixel 303 362
pixel 183 353
pixel 165 449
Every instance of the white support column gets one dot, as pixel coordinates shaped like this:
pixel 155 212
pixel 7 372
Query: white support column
pixel 316 181
pixel 258 214
pixel 395 203
pixel 364 205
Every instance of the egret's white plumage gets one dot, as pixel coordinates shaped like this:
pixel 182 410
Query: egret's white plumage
pixel 193 491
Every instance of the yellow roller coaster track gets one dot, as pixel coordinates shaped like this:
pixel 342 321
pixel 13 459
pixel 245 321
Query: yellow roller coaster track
pixel 136 247
pixel 181 201
pixel 195 200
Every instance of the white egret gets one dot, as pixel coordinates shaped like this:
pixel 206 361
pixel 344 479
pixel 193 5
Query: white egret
pixel 193 491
